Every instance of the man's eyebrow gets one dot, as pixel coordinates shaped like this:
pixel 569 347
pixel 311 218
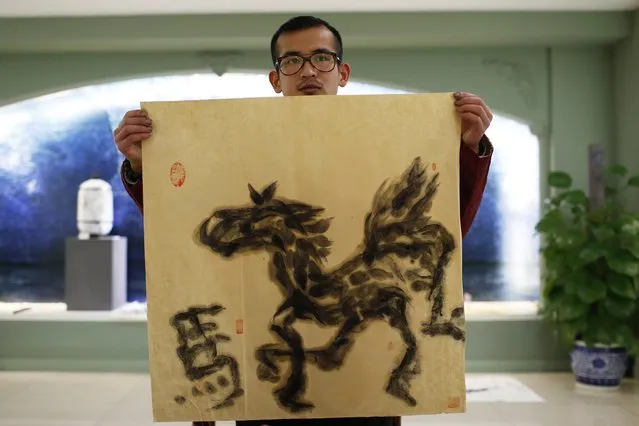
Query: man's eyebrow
pixel 323 50
pixel 298 53
pixel 289 53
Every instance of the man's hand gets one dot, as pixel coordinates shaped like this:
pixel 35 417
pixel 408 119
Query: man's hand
pixel 475 118
pixel 133 129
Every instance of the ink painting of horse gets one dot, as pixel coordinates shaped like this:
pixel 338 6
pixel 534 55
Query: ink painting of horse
pixel 402 260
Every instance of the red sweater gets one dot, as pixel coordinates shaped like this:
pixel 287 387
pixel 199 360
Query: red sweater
pixel 473 175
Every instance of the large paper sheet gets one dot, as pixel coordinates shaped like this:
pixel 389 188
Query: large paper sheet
pixel 303 257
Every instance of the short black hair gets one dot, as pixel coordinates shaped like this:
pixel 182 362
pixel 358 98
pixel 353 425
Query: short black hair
pixel 302 23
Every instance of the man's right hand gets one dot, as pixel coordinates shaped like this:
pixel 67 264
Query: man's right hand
pixel 135 127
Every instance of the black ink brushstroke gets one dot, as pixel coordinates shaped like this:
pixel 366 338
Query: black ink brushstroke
pixel 403 249
pixel 197 341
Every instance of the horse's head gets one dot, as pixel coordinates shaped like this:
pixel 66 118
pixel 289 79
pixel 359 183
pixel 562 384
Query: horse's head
pixel 267 223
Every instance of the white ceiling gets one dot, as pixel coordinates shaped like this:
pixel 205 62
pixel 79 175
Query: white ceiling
pixel 34 8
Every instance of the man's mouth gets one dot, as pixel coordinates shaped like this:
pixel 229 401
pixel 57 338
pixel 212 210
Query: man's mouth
pixel 310 87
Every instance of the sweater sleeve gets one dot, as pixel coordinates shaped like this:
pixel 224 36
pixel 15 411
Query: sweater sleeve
pixel 133 186
pixel 473 171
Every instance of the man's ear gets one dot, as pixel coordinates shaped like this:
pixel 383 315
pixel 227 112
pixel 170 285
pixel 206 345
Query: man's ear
pixel 344 74
pixel 274 78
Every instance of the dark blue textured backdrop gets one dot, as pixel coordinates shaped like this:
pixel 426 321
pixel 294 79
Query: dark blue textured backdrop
pixel 39 196
pixel 44 159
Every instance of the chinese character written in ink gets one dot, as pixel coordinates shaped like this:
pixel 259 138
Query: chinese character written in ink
pixel 198 337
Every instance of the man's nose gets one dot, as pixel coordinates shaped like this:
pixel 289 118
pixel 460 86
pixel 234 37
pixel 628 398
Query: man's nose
pixel 308 70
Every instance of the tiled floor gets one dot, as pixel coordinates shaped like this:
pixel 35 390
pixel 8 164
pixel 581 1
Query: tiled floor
pixel 86 399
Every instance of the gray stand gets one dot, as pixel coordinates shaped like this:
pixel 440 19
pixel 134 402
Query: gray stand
pixel 95 273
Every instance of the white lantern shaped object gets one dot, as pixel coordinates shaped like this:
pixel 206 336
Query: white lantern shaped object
pixel 95 208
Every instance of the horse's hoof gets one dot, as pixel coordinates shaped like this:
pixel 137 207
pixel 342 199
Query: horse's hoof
pixel 397 388
pixel 409 400
pixel 298 407
pixel 266 374
pixel 292 405
pixel 443 329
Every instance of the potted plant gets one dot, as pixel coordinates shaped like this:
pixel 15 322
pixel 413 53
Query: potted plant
pixel 590 253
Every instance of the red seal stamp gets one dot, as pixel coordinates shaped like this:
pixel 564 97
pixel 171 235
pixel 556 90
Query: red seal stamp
pixel 239 326
pixel 178 174
pixel 454 402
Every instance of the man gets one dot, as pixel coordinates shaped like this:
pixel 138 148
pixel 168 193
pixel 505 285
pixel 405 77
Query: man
pixel 307 55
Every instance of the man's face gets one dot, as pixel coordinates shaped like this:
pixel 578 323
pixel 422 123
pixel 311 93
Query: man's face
pixel 318 43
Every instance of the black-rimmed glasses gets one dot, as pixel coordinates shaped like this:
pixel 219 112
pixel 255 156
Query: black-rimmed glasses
pixel 322 61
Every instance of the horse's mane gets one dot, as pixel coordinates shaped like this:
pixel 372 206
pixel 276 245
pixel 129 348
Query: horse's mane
pixel 399 213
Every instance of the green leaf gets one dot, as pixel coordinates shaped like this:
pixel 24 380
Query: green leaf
pixel 603 232
pixel 550 222
pixel 632 347
pixel 576 197
pixel 618 169
pixel 630 226
pixel 634 181
pixel 552 292
pixel 569 239
pixel 620 308
pixel 623 286
pixel 555 260
pixel 570 330
pixel 591 252
pixel 591 290
pixel 632 245
pixel 572 309
pixel 573 281
pixel 626 335
pixel 596 216
pixel 599 327
pixel 560 180
pixel 623 263
pixel 610 194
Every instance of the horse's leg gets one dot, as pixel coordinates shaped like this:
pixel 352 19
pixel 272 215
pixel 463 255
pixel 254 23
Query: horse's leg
pixel 435 327
pixel 289 395
pixel 349 314
pixel 266 355
pixel 332 356
pixel 399 381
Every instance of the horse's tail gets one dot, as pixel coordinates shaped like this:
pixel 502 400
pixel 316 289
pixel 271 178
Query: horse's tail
pixel 399 209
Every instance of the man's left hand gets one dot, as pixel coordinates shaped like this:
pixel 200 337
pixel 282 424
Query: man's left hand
pixel 475 118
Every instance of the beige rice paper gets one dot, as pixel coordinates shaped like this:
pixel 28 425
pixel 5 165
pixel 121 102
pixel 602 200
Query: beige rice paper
pixel 303 257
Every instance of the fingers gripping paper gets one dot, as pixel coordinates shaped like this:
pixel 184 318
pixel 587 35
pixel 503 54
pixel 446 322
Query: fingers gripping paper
pixel 304 257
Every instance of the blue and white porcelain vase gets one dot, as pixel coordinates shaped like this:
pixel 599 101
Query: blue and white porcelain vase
pixel 600 367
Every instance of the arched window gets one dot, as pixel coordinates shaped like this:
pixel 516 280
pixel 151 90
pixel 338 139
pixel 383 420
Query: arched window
pixel 501 251
pixel 50 144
